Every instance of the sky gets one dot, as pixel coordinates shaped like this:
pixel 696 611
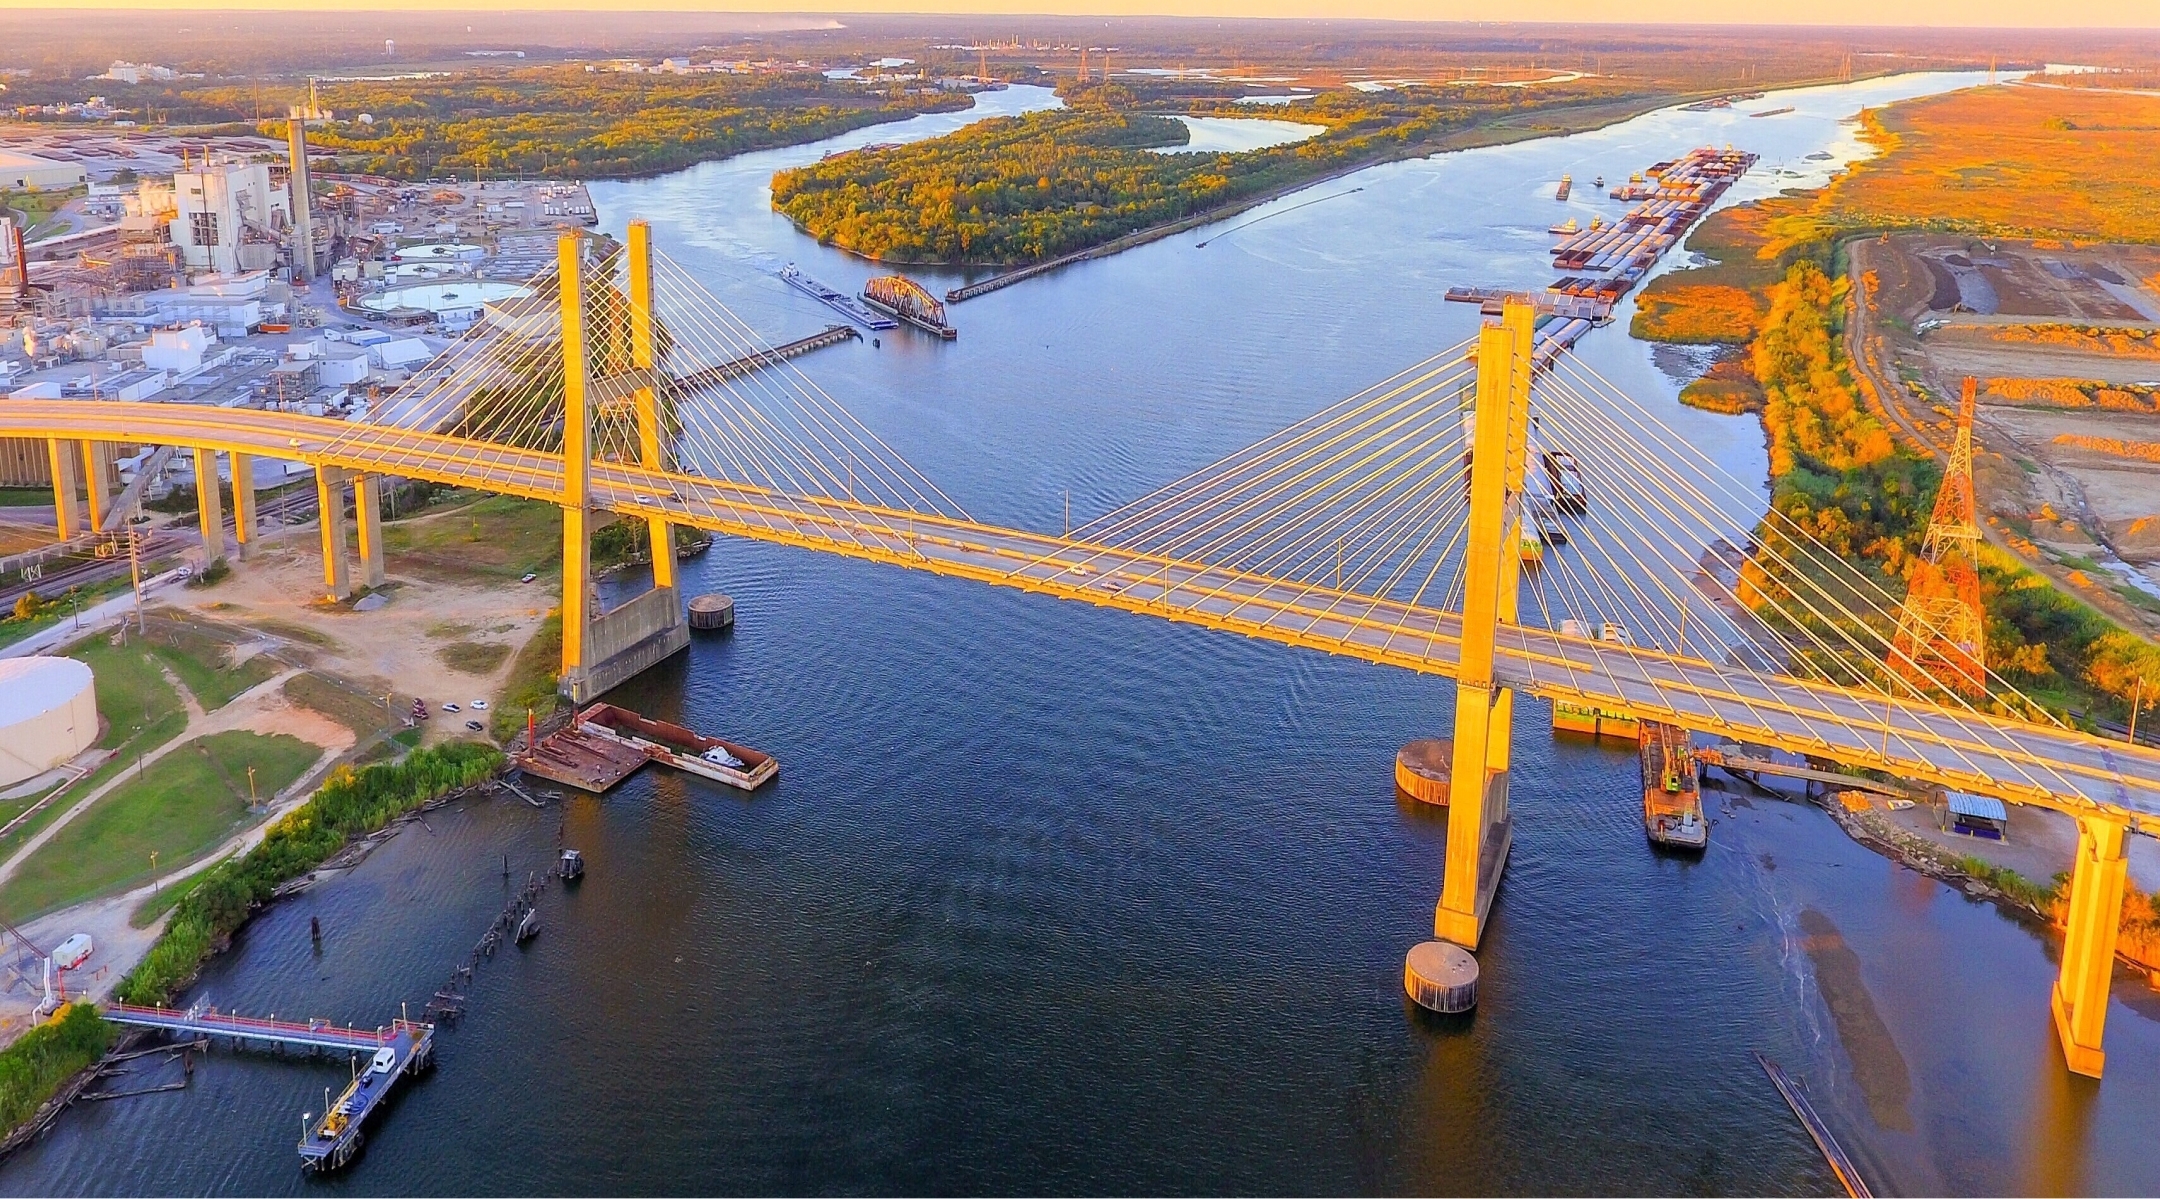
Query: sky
pixel 2134 14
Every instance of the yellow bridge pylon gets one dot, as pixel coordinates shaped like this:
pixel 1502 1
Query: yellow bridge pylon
pixel 1479 829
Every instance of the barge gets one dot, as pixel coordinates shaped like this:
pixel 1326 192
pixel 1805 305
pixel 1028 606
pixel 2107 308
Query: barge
pixel 673 745
pixel 1672 795
pixel 838 301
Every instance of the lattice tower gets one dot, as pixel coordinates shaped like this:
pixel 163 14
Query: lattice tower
pixel 1941 635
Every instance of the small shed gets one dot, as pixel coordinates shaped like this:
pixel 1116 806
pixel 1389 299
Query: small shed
pixel 1977 816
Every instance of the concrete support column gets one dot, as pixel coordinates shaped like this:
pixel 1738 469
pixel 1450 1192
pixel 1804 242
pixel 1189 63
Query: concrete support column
pixel 100 481
pixel 2088 960
pixel 644 358
pixel 67 483
pixel 1479 830
pixel 330 504
pixel 367 512
pixel 243 503
pixel 210 504
pixel 577 465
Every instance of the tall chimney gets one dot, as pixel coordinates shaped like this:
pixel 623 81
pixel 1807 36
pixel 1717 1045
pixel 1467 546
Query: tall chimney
pixel 303 223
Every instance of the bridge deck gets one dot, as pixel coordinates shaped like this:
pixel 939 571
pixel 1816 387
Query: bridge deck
pixel 1928 743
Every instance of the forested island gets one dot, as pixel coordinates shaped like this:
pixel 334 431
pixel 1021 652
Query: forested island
pixel 555 121
pixel 1024 189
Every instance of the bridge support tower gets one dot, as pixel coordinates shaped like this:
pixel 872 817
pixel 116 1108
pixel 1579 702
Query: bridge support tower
pixel 1479 828
pixel 603 649
pixel 2080 1001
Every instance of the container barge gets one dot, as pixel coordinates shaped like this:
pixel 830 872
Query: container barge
pixel 1605 262
pixel 1567 184
pixel 838 301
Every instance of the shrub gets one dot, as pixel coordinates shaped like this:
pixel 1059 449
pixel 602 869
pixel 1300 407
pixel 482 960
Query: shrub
pixel 351 802
pixel 40 1060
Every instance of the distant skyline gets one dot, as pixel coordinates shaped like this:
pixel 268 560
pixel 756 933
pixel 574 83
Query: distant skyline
pixel 2017 14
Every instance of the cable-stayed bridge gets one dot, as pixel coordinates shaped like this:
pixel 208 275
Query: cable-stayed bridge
pixel 1472 516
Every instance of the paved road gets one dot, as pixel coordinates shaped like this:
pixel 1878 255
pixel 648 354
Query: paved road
pixel 2026 763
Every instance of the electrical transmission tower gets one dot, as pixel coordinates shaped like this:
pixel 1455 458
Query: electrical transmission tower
pixel 1941 641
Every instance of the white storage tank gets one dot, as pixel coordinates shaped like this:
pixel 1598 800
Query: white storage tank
pixel 48 714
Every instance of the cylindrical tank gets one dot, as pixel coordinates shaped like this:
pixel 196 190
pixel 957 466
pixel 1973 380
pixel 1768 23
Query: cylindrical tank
pixel 48 714
pixel 713 611
pixel 1423 768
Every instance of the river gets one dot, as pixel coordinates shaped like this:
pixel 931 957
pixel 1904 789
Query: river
pixel 1052 898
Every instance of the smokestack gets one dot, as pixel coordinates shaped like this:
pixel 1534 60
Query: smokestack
pixel 303 242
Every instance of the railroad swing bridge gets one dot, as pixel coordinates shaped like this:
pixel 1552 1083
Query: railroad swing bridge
pixel 1389 527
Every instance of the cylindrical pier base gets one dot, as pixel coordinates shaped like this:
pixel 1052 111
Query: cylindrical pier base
pixel 1441 976
pixel 1423 768
pixel 713 611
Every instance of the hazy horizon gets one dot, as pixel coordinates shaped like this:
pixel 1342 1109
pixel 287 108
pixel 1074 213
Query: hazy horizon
pixel 1938 14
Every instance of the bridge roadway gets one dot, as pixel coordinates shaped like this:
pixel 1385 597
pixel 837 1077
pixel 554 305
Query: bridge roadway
pixel 1920 742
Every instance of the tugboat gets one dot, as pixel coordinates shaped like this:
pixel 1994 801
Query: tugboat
pixel 1598 182
pixel 573 865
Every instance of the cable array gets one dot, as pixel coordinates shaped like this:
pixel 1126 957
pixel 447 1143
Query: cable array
pixel 726 407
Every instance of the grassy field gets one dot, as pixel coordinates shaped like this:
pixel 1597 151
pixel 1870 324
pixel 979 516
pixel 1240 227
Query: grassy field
pixel 200 660
pixel 531 685
pixel 180 807
pixel 492 539
pixel 364 714
pixel 57 608
pixel 132 692
pixel 25 497
pixel 2037 162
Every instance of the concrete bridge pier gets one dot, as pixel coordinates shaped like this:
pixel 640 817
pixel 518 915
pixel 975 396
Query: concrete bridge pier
pixel 243 503
pixel 67 460
pixel 101 480
pixel 330 505
pixel 367 513
pixel 1480 832
pixel 603 649
pixel 210 506
pixel 2088 959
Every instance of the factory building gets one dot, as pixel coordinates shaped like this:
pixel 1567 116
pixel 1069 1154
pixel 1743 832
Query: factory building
pixel 231 217
pixel 28 172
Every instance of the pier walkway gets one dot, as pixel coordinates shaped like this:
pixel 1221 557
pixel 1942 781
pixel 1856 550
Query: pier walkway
pixel 208 1021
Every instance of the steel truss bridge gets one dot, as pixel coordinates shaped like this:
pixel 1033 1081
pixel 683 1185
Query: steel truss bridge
pixel 1393 527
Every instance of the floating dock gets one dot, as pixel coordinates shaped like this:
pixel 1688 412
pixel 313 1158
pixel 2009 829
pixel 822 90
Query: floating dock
pixel 400 1048
pixel 604 744
pixel 673 745
pixel 834 299
pixel 578 759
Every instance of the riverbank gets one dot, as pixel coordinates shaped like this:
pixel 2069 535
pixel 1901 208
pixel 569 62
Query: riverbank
pixel 350 806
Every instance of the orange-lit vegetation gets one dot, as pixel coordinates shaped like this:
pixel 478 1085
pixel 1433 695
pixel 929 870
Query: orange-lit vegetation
pixel 2147 451
pixel 2070 393
pixel 2118 343
pixel 1996 161
pixel 2016 161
